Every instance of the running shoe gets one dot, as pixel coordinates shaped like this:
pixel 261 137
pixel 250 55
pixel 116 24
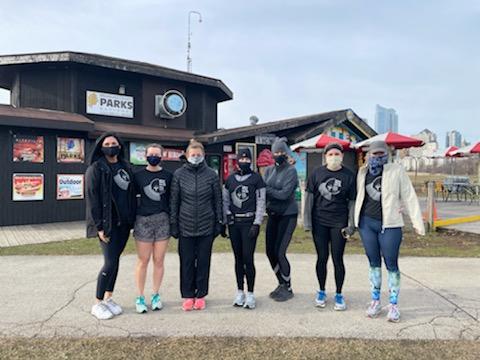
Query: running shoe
pixel 275 292
pixel 340 304
pixel 374 309
pixel 321 299
pixel 285 293
pixel 199 304
pixel 114 308
pixel 156 302
pixel 140 305
pixel 101 312
pixel 188 304
pixel 393 313
pixel 250 301
pixel 239 299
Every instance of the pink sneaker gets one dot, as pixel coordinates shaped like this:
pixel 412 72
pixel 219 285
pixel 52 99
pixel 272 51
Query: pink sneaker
pixel 188 304
pixel 199 304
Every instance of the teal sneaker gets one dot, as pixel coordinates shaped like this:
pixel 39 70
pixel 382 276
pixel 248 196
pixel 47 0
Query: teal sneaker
pixel 156 302
pixel 321 299
pixel 340 304
pixel 140 305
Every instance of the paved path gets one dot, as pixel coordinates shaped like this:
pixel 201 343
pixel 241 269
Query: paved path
pixel 51 296
pixel 41 233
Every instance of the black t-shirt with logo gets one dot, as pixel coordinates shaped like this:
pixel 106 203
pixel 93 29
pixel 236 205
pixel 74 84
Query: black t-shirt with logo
pixel 332 190
pixel 243 198
pixel 121 182
pixel 372 205
pixel 154 190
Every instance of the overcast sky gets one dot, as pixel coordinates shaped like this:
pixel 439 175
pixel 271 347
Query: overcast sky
pixel 421 58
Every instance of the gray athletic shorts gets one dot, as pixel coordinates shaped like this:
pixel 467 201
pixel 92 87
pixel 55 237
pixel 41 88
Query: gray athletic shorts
pixel 152 228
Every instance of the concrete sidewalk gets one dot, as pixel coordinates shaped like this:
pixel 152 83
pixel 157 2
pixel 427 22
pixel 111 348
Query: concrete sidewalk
pixel 51 296
pixel 41 233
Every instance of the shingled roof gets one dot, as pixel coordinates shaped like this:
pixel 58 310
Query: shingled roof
pixel 118 64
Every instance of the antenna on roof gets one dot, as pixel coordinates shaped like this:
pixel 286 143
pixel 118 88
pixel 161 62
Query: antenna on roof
pixel 189 43
pixel 254 120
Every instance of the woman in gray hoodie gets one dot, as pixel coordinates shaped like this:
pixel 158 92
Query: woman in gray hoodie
pixel 281 181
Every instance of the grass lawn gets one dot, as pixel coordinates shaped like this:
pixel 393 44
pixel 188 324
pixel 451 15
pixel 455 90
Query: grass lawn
pixel 443 243
pixel 234 348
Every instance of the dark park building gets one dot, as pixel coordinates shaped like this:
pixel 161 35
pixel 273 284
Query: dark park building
pixel 61 101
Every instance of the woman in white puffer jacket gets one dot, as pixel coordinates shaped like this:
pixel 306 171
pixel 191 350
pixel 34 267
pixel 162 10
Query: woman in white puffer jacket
pixel 384 192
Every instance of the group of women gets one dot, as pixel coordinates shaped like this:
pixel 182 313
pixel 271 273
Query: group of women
pixel 191 206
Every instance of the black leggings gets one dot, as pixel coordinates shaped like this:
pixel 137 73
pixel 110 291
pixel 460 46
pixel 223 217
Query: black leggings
pixel 278 236
pixel 323 236
pixel 195 254
pixel 243 248
pixel 111 253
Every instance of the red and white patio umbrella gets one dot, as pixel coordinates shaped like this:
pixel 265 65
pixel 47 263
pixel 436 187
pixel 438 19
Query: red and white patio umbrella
pixel 471 149
pixel 320 142
pixel 395 140
pixel 450 152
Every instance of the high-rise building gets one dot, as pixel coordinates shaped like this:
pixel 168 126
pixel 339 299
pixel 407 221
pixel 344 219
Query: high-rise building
pixel 454 138
pixel 386 120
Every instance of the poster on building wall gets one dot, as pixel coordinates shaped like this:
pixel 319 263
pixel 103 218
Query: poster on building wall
pixel 70 150
pixel 213 162
pixel 28 148
pixel 300 159
pixel 100 103
pixel 27 187
pixel 171 154
pixel 229 165
pixel 137 153
pixel 70 186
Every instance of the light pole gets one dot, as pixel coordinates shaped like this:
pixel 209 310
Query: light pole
pixel 189 44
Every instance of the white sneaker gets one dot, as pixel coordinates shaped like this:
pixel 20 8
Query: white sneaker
pixel 250 301
pixel 393 313
pixel 374 309
pixel 239 299
pixel 114 308
pixel 101 312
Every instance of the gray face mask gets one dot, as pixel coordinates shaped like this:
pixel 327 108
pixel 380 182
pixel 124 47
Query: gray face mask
pixel 195 160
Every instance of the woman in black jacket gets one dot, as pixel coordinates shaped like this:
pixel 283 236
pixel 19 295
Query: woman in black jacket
pixel 110 214
pixel 196 220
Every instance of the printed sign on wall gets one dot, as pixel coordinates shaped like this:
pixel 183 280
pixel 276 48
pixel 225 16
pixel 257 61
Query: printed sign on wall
pixel 109 104
pixel 70 186
pixel 137 153
pixel 27 187
pixel 70 150
pixel 28 148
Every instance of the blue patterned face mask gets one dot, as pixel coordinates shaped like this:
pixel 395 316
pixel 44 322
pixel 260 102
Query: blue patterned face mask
pixel 375 164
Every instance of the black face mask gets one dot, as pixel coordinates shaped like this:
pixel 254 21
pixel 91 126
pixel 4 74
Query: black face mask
pixel 111 150
pixel 245 168
pixel 280 159
pixel 154 160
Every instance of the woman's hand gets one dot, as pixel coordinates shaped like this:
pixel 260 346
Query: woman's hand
pixel 102 237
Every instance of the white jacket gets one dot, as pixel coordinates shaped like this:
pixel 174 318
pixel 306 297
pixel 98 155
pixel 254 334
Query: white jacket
pixel 398 196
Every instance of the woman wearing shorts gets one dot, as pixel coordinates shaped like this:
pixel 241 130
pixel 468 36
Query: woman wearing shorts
pixel 152 225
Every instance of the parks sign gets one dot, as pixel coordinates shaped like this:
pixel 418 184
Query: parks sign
pixel 109 104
